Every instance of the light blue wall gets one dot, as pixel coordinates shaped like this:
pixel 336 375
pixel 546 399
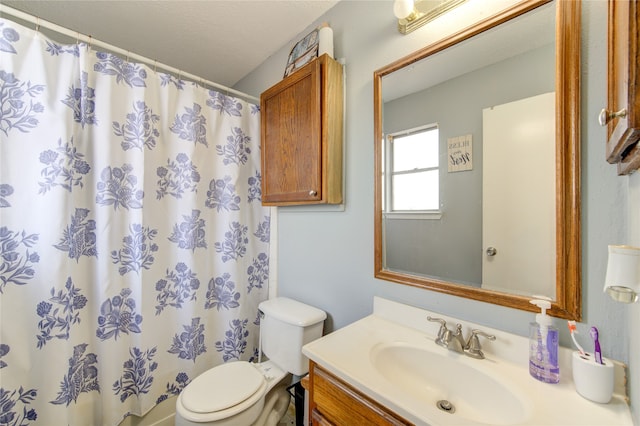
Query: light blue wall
pixel 326 257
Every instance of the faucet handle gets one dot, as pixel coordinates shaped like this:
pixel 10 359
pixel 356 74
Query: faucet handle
pixel 473 348
pixel 443 332
pixel 440 320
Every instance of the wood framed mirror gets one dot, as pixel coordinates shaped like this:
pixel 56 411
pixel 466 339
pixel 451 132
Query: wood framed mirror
pixel 564 232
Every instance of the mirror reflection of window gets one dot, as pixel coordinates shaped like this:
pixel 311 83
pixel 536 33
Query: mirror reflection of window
pixel 414 163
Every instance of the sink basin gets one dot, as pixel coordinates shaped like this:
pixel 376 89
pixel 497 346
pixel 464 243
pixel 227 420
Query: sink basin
pixel 440 375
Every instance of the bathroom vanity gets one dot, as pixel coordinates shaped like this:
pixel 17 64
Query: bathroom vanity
pixel 386 369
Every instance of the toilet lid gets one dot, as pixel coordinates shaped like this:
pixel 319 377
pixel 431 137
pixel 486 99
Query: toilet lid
pixel 222 387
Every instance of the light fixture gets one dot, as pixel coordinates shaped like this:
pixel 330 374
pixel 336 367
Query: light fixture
pixel 622 282
pixel 414 14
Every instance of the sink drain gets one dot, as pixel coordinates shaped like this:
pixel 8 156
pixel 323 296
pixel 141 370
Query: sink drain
pixel 446 406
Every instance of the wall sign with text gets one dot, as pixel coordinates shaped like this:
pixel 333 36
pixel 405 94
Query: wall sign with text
pixel 460 153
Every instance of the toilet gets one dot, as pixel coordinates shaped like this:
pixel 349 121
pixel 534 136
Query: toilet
pixel 241 393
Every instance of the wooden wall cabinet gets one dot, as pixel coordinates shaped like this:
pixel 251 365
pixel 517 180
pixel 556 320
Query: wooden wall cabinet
pixel 622 114
pixel 333 402
pixel 301 136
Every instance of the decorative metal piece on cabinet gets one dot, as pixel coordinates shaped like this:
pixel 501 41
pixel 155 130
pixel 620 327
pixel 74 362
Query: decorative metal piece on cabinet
pixel 622 114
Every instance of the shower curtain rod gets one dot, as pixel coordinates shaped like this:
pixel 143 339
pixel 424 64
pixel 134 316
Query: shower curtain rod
pixel 94 42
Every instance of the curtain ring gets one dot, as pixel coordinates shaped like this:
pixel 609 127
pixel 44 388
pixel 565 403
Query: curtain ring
pixel 127 57
pixel 89 43
pixel 155 65
pixel 37 24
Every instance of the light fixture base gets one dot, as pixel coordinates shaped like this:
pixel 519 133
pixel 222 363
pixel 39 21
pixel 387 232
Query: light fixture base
pixel 425 11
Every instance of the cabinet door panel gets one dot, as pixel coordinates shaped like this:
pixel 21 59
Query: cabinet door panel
pixel 291 145
pixel 301 122
pixel 338 403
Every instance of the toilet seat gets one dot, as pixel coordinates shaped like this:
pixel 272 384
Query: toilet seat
pixel 223 391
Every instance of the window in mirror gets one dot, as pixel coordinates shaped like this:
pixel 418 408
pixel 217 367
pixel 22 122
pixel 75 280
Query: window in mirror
pixel 414 163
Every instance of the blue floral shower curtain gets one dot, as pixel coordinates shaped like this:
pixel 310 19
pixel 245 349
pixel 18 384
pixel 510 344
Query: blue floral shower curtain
pixel 134 246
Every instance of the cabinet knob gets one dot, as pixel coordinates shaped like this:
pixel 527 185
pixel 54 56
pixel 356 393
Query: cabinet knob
pixel 313 193
pixel 491 251
pixel 606 116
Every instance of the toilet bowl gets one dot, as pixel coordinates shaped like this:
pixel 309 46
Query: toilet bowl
pixel 231 394
pixel 240 393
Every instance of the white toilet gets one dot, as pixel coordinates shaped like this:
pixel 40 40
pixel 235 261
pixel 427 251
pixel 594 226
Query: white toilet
pixel 243 394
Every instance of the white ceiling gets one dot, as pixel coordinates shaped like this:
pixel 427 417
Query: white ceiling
pixel 218 40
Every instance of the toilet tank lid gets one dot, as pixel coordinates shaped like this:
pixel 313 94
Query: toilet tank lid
pixel 292 311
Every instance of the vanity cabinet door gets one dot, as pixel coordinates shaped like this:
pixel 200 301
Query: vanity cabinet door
pixel 333 402
pixel 622 115
pixel 318 419
pixel 301 136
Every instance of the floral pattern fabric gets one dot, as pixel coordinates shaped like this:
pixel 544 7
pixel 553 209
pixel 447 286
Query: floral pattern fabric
pixel 134 248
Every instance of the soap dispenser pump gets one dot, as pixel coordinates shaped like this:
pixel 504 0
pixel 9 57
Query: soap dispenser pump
pixel 543 345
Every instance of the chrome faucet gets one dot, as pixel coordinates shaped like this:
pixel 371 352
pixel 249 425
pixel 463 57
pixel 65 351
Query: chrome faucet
pixel 454 340
pixel 472 347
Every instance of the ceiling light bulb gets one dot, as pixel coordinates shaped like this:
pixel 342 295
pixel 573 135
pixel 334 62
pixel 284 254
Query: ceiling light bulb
pixel 402 8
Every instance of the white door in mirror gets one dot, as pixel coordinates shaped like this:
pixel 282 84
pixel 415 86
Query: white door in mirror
pixel 518 149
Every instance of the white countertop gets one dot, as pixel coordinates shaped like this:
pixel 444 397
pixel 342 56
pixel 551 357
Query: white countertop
pixel 347 353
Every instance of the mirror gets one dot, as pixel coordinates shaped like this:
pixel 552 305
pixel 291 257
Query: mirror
pixel 452 245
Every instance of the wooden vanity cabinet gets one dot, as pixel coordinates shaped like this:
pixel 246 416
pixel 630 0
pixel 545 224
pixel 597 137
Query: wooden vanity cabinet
pixel 623 86
pixel 301 136
pixel 333 402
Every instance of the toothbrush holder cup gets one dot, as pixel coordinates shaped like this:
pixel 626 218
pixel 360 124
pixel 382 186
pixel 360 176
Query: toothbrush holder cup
pixel 593 381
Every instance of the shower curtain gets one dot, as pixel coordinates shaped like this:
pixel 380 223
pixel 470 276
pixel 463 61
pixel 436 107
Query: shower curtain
pixel 134 246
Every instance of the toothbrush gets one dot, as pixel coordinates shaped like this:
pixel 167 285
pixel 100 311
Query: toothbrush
pixel 596 351
pixel 573 331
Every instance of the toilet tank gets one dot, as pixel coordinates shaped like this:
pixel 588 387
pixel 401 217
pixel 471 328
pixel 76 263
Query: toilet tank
pixel 288 325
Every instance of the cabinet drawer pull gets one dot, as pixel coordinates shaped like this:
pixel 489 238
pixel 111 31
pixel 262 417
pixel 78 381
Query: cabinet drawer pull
pixel 313 193
pixel 606 116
